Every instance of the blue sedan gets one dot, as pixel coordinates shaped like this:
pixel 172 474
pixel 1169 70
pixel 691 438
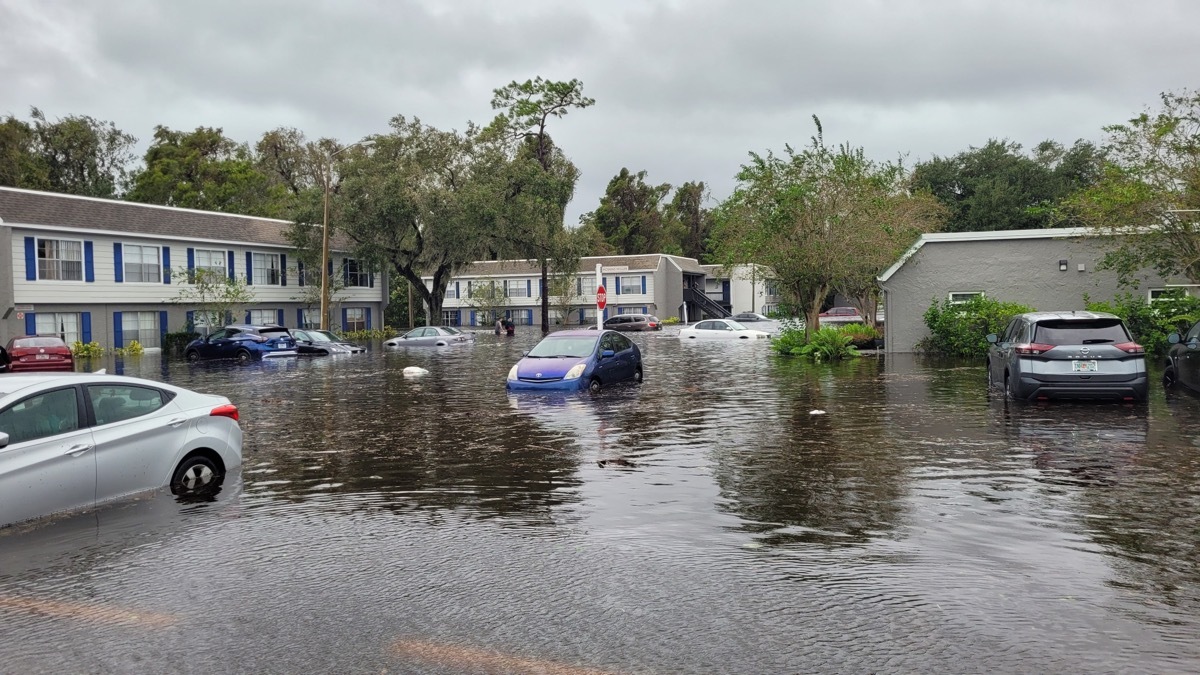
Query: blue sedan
pixel 244 343
pixel 577 359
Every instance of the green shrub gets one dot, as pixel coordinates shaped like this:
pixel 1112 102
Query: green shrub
pixel 175 342
pixel 860 334
pixel 790 340
pixel 961 329
pixel 134 348
pixel 826 344
pixel 87 351
pixel 670 321
pixel 370 334
pixel 1151 322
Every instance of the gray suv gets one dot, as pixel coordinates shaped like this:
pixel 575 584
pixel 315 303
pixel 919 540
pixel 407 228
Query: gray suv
pixel 1045 355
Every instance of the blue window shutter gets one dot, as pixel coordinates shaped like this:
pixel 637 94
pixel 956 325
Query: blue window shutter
pixel 370 280
pixel 282 273
pixel 582 316
pixel 228 316
pixel 247 316
pixel 606 312
pixel 162 328
pixel 457 290
pixel 472 317
pixel 645 309
pixel 191 257
pixel 89 262
pixel 118 264
pixel 230 270
pixel 300 272
pixel 528 287
pixel 604 283
pixel 30 259
pixel 643 285
pixel 368 318
pixel 579 285
pixel 345 319
pixel 249 269
pixel 329 267
pixel 85 327
pixel 616 285
pixel 118 336
pixel 31 324
pixel 345 273
pixel 191 320
pixel 458 317
pixel 299 317
pixel 166 259
pixel 279 316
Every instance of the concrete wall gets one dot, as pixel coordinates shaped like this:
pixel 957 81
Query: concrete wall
pixel 6 285
pixel 669 282
pixel 1012 270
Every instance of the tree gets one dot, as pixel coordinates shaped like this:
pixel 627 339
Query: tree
pixel 1148 197
pixel 203 169
pixel 630 215
pixel 809 216
pixel 999 187
pixel 212 295
pixel 488 298
pixel 77 155
pixel 688 222
pixel 537 201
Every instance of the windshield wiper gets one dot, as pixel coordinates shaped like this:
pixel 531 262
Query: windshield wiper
pixel 1093 341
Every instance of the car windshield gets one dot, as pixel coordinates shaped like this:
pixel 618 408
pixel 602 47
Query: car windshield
pixel 1091 332
pixel 317 337
pixel 331 336
pixel 735 325
pixel 575 345
pixel 38 342
pixel 452 330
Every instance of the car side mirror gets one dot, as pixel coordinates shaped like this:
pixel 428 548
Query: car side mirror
pixel 993 338
pixel 1174 338
pixel 3 440
pixel 525 353
pixel 607 353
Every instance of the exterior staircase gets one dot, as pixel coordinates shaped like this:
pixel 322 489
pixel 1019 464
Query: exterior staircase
pixel 710 307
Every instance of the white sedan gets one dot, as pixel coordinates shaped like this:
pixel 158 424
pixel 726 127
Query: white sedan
pixel 74 440
pixel 720 329
pixel 431 336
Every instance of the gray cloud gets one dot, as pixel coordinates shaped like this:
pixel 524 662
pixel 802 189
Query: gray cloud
pixel 683 89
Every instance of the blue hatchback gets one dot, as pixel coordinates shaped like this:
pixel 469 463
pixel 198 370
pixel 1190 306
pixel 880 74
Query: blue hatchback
pixel 577 359
pixel 244 343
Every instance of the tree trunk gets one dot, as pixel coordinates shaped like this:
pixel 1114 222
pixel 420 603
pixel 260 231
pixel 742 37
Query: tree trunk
pixel 867 306
pixel 545 297
pixel 812 313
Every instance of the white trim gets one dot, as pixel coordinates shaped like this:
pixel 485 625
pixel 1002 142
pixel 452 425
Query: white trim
pixel 125 263
pixel 37 269
pixel 974 294
pixel 79 231
pixel 1000 235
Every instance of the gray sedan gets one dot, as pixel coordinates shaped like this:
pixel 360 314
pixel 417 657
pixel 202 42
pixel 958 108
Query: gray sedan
pixel 431 336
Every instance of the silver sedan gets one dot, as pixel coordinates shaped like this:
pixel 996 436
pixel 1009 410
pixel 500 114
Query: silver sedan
pixel 72 441
pixel 431 336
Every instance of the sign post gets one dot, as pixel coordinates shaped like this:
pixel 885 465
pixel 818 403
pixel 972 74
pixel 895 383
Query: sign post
pixel 601 297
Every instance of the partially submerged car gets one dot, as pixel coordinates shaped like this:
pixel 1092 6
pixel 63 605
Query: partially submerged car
pixel 243 342
pixel 1069 354
pixel 720 329
pixel 577 360
pixel 314 342
pixel 1183 360
pixel 354 349
pixel 36 352
pixel 431 336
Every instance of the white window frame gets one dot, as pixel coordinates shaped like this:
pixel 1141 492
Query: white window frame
pixel 587 284
pixel 310 318
pixel 150 324
pixel 450 317
pixel 636 285
pixel 357 277
pixel 140 266
pixel 772 290
pixel 1153 294
pixel 708 285
pixel 38 259
pixel 257 314
pixel 351 320
pixel 221 256
pixel 516 288
pixel 69 333
pixel 258 272
pixel 970 295
pixel 451 292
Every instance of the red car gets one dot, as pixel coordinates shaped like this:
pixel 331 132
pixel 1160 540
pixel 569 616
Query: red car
pixel 840 315
pixel 39 352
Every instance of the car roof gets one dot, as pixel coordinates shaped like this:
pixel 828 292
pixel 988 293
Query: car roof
pixel 588 332
pixel 247 326
pixel 1067 315
pixel 14 383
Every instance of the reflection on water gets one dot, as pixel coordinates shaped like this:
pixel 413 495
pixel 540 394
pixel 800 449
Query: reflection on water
pixel 706 521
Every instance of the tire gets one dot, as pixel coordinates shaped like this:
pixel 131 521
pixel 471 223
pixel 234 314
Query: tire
pixel 637 375
pixel 594 386
pixel 1007 391
pixel 244 356
pixel 1168 378
pixel 192 355
pixel 196 476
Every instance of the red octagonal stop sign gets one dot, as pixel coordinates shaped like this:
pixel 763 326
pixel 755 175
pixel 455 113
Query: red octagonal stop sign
pixel 601 297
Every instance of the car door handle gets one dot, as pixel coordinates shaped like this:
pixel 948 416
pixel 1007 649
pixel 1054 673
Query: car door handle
pixel 177 421
pixel 78 450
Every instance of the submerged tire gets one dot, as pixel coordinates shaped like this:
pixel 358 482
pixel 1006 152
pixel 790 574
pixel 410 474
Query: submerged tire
pixel 192 355
pixel 197 475
pixel 594 386
pixel 637 375
pixel 244 356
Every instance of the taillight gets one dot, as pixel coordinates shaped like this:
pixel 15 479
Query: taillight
pixel 1033 348
pixel 1131 348
pixel 228 410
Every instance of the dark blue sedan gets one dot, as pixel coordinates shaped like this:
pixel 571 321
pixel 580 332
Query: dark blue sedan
pixel 244 343
pixel 577 359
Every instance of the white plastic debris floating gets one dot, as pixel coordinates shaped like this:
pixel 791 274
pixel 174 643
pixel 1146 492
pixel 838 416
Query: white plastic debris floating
pixel 414 371
pixel 816 412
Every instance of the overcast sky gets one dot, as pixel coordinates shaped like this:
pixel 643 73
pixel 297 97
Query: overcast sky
pixel 684 88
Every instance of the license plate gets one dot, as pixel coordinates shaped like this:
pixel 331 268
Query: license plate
pixel 1085 367
pixel 42 357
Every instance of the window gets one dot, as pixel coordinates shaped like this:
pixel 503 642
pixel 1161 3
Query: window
pixel 65 326
pixel 48 414
pixel 587 285
pixel 141 264
pixel 772 289
pixel 521 317
pixel 311 319
pixel 112 403
pixel 451 292
pixel 960 297
pixel 140 326
pixel 631 285
pixel 265 317
pixel 356 274
pixel 1156 294
pixel 356 318
pixel 516 288
pixel 450 317
pixel 266 269
pixel 214 261
pixel 60 260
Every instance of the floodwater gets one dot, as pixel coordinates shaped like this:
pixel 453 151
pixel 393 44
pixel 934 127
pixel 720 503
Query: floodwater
pixel 704 522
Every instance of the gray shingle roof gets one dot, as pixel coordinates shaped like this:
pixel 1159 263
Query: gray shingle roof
pixel 31 207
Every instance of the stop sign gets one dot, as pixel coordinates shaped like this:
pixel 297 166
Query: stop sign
pixel 601 297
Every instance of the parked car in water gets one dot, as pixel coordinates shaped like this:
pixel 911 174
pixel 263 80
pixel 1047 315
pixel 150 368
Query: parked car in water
pixel 72 441
pixel 36 352
pixel 577 360
pixel 431 336
pixel 1073 354
pixel 316 343
pixel 354 349
pixel 633 322
pixel 1183 360
pixel 243 342
pixel 840 315
pixel 749 317
pixel 720 329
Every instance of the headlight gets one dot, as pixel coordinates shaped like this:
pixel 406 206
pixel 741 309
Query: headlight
pixel 575 372
pixel 512 374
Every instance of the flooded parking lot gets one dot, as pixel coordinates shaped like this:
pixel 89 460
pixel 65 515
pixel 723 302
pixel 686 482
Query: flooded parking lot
pixel 706 521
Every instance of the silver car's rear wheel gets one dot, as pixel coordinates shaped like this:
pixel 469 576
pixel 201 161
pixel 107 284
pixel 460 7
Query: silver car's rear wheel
pixel 196 475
